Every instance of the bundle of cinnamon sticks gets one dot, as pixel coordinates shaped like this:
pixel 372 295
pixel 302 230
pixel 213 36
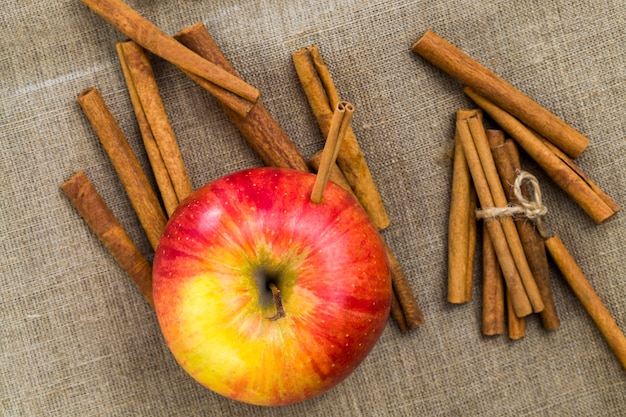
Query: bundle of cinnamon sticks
pixel 547 139
pixel 194 51
pixel 487 168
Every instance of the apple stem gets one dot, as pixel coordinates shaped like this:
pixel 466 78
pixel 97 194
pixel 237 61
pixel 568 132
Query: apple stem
pixel 338 127
pixel 280 311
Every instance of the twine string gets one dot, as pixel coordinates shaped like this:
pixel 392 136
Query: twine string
pixel 532 207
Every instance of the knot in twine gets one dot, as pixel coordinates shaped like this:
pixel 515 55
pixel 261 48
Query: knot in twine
pixel 531 208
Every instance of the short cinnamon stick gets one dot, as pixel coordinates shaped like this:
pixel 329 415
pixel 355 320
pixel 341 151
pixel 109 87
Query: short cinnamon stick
pixel 322 96
pixel 459 65
pixel 461 220
pixel 590 300
pixel 516 325
pixel 145 33
pixel 335 175
pixel 493 299
pixel 149 103
pixel 599 208
pixel 143 199
pixel 90 205
pixel 520 299
pixel 258 128
pixel 508 164
pixel 336 134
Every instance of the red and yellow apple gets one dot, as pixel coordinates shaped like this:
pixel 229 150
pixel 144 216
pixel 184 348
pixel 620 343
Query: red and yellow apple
pixel 264 296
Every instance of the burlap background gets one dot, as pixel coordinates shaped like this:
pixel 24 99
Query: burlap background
pixel 77 339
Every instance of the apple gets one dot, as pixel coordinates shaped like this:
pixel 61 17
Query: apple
pixel 264 296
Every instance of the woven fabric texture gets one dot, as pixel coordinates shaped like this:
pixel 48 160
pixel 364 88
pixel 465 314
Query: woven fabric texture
pixel 77 338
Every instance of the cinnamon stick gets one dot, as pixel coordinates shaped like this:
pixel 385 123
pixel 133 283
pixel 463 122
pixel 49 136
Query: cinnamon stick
pixel 516 325
pixel 579 172
pixel 590 300
pixel 597 205
pixel 402 288
pixel 90 205
pixel 145 33
pixel 228 100
pixel 520 299
pixel 143 199
pixel 461 221
pixel 335 174
pixel 258 128
pixel 471 248
pixel 459 65
pixel 336 134
pixel 322 96
pixel 397 313
pixel 508 164
pixel 321 93
pixel 149 106
pixel 164 183
pixel 493 299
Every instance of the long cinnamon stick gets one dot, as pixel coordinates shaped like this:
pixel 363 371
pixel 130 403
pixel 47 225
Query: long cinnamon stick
pixel 459 65
pixel 143 199
pixel 90 205
pixel 151 105
pixel 162 177
pixel 145 33
pixel 321 93
pixel 579 172
pixel 471 248
pixel 405 308
pixel 493 299
pixel 590 300
pixel 235 103
pixel 258 128
pixel 520 299
pixel 579 188
pixel 461 220
pixel 508 164
pixel 322 96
